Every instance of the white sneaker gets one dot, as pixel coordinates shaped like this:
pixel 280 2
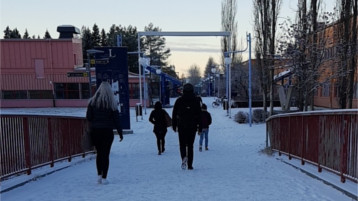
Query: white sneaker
pixel 99 180
pixel 105 181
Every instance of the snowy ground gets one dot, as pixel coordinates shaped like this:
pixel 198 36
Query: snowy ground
pixel 233 169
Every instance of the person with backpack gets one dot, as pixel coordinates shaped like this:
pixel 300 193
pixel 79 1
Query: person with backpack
pixel 158 118
pixel 186 119
pixel 205 118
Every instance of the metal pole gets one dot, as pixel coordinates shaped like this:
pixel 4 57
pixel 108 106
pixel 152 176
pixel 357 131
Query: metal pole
pixel 250 98
pixel 229 68
pixel 145 91
pixel 89 75
pixel 140 72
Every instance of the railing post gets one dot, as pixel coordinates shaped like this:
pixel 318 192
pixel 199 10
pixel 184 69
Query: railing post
pixel 50 138
pixel 25 124
pixel 344 137
pixel 289 138
pixel 68 139
pixel 303 142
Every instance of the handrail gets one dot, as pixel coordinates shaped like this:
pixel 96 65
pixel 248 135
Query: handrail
pixel 32 141
pixel 327 139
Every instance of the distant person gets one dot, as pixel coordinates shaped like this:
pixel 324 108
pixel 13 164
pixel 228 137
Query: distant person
pixel 205 118
pixel 103 116
pixel 186 119
pixel 158 118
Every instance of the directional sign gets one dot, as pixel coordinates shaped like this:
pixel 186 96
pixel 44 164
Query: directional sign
pixel 102 61
pixel 77 74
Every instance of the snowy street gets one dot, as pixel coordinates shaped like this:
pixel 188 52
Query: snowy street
pixel 234 168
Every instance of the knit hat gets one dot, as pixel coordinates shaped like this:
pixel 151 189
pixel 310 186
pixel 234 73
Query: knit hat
pixel 188 88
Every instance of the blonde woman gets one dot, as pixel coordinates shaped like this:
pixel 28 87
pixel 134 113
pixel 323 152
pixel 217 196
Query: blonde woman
pixel 103 115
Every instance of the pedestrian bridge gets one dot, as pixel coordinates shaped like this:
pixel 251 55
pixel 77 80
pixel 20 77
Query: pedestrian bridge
pixel 325 140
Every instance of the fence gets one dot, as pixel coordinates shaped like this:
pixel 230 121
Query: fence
pixel 28 142
pixel 326 139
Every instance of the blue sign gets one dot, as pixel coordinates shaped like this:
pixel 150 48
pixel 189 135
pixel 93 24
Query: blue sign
pixel 115 71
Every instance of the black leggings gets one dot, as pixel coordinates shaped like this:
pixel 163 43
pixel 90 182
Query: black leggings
pixel 160 140
pixel 102 140
pixel 186 144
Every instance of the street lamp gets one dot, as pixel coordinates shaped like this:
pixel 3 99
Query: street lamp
pixel 143 61
pixel 227 62
pixel 213 70
pixel 89 53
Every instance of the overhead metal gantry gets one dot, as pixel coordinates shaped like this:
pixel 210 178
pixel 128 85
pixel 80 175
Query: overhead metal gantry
pixel 185 34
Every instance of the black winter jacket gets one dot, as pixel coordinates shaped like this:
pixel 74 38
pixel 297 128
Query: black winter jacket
pixel 157 117
pixel 205 119
pixel 104 118
pixel 186 113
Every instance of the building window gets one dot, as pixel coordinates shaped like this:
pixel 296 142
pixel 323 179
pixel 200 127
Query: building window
pixel 134 91
pixel 14 94
pixel 326 89
pixel 355 92
pixel 336 90
pixel 40 94
pixel 67 91
pixel 84 91
pixel 39 68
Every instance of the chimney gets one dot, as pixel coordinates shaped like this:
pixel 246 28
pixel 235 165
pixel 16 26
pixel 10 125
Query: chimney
pixel 67 31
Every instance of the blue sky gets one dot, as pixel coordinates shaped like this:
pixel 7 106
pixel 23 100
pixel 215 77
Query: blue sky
pixel 169 15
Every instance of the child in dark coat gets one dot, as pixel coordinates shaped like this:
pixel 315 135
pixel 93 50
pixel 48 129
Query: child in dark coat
pixel 157 117
pixel 205 122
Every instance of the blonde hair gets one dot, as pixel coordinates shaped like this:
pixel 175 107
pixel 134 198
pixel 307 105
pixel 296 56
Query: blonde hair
pixel 104 97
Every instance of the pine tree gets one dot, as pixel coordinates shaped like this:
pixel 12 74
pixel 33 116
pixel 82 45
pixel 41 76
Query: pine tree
pixel 129 40
pixel 104 38
pixel 86 41
pixel 154 46
pixel 111 36
pixel 7 33
pixel 15 34
pixel 26 35
pixel 95 37
pixel 47 35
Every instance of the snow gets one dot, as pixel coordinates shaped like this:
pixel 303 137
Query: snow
pixel 235 168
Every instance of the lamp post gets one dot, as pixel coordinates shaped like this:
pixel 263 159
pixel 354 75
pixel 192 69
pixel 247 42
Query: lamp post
pixel 158 71
pixel 89 53
pixel 143 62
pixel 213 70
pixel 227 62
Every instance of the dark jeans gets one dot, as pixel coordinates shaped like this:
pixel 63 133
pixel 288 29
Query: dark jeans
pixel 160 140
pixel 186 144
pixel 102 140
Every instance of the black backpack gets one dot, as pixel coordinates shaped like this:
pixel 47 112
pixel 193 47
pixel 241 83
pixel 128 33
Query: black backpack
pixel 188 113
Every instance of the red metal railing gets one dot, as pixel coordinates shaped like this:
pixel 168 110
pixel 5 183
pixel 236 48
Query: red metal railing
pixel 28 142
pixel 327 139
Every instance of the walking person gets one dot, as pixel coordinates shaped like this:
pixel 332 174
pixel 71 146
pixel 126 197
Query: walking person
pixel 103 116
pixel 158 118
pixel 186 119
pixel 205 119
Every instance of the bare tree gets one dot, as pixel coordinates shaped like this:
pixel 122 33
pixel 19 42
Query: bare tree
pixel 306 45
pixel 229 23
pixel 347 35
pixel 265 15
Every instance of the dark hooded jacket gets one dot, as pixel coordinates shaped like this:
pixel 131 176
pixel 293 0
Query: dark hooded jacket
pixel 157 117
pixel 186 111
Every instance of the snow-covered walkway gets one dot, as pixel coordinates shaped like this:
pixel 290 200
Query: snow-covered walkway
pixel 233 169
